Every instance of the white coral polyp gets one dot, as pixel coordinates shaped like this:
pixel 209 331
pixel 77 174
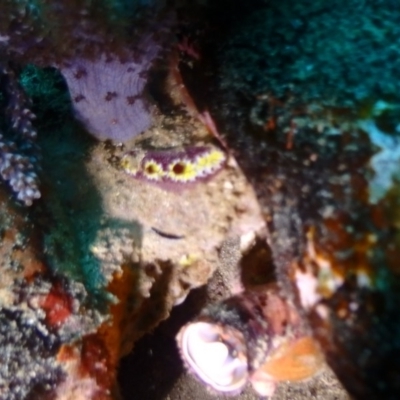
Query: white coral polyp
pixel 211 359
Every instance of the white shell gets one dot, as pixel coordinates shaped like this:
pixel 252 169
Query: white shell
pixel 216 361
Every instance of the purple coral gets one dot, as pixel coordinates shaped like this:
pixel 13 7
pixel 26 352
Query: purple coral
pixel 107 93
pixel 19 153
pixel 105 55
pixel 104 51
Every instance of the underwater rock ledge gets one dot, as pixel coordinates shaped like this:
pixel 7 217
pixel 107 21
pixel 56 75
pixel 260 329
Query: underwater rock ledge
pixel 310 110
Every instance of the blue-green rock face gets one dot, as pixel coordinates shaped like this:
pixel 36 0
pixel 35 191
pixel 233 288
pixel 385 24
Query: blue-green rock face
pixel 309 94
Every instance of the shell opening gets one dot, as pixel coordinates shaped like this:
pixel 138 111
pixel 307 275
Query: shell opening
pixel 211 354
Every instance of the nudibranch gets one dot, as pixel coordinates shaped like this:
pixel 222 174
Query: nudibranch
pixel 256 336
pixel 174 166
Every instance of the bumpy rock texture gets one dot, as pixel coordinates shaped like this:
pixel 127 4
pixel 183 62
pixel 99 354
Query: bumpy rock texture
pixel 103 257
pixel 311 108
pixel 19 154
pixel 307 94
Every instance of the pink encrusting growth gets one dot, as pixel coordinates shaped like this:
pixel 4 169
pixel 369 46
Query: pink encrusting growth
pixel 57 305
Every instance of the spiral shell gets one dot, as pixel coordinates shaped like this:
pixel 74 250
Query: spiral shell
pixel 216 354
pixel 254 337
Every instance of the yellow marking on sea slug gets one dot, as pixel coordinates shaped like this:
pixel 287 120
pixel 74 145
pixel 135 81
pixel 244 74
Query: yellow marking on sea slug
pixel 153 170
pixel 162 167
pixel 209 161
pixel 182 171
pixel 130 164
pixel 187 260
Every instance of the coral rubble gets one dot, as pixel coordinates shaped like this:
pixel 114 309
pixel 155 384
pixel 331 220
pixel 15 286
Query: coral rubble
pixel 19 154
